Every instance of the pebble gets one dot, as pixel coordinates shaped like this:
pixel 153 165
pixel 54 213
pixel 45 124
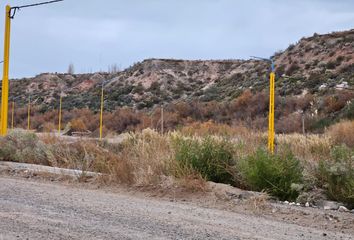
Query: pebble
pixel 307 204
pixel 286 202
pixel 330 205
pixel 343 209
pixel 292 203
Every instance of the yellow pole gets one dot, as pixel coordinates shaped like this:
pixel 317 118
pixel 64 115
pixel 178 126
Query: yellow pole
pixel 59 118
pixel 101 114
pixel 5 78
pixel 13 115
pixel 29 114
pixel 271 133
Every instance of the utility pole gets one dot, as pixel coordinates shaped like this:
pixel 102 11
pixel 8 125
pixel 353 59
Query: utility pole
pixel 102 108
pixel 271 131
pixel 162 120
pixel 10 14
pixel 29 114
pixel 101 112
pixel 5 77
pixel 13 114
pixel 59 117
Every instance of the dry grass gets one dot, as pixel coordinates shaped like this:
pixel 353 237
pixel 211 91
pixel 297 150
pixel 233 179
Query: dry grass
pixel 342 133
pixel 150 155
pixel 212 128
pixel 148 158
pixel 259 203
pixel 142 159
pixel 308 148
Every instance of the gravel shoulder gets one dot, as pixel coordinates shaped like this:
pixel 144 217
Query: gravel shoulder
pixel 33 209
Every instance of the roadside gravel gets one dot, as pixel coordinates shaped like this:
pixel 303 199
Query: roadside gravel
pixel 41 210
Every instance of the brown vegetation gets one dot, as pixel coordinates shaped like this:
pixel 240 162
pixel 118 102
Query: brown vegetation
pixel 343 133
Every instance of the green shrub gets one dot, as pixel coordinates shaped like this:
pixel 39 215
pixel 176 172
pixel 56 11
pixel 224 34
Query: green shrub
pixel 336 175
pixel 278 174
pixel 22 146
pixel 213 159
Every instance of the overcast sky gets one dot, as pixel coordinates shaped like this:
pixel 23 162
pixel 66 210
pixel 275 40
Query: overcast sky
pixel 94 34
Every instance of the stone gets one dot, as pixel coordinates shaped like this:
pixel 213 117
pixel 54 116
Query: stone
pixel 329 205
pixel 343 209
pixel 307 204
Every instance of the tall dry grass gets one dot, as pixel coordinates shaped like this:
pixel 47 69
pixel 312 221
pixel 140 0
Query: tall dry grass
pixel 343 133
pixel 149 158
pixel 149 154
pixel 308 148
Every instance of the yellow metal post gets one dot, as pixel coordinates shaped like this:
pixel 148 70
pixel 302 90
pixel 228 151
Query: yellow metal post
pixel 271 133
pixel 12 114
pixel 101 114
pixel 5 78
pixel 59 118
pixel 29 114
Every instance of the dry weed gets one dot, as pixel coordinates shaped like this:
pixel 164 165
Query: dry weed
pixel 203 129
pixel 259 202
pixel 150 155
pixel 342 133
pixel 308 148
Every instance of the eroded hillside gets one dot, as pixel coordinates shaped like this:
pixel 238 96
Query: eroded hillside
pixel 314 76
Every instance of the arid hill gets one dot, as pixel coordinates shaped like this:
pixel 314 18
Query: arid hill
pixel 314 76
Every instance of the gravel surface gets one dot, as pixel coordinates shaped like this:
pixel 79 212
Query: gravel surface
pixel 37 210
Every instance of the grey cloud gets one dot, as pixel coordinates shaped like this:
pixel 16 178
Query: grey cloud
pixel 94 34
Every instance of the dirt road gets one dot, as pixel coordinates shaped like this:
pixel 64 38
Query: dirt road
pixel 37 210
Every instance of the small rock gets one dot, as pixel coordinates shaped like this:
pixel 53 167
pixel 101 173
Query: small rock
pixel 286 202
pixel 292 203
pixel 343 209
pixel 298 204
pixel 329 205
pixel 307 204
pixel 352 211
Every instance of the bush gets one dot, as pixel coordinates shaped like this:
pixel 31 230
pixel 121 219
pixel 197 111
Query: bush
pixel 212 158
pixel 331 65
pixel 22 146
pixel 77 125
pixel 292 69
pixel 278 174
pixel 336 175
pixel 343 133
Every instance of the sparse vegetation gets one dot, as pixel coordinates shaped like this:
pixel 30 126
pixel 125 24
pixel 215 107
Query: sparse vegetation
pixel 212 158
pixel 336 175
pixel 210 107
pixel 190 158
pixel 343 133
pixel 279 174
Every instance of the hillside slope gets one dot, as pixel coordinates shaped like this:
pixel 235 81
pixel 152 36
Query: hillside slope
pixel 314 63
pixel 315 77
